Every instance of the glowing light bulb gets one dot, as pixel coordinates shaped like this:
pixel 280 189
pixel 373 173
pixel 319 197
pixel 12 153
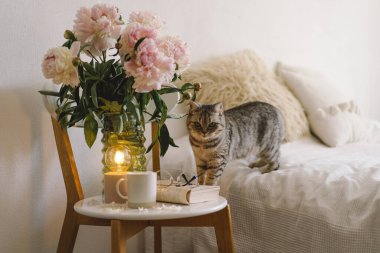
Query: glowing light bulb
pixel 118 158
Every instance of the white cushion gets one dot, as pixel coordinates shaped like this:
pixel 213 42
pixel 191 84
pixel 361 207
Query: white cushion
pixel 332 116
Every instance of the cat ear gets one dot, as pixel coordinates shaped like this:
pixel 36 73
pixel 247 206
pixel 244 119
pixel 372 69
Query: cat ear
pixel 194 105
pixel 218 108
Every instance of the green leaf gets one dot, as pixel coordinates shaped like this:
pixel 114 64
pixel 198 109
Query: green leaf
pixel 61 116
pixel 187 86
pixel 67 43
pixel 156 99
pixel 49 93
pixel 113 69
pixel 151 145
pixel 166 90
pixel 117 77
pixel 164 140
pixel 143 101
pixel 65 111
pixel 76 116
pixel 63 121
pixel 129 82
pixel 65 106
pixel 89 68
pixel 62 92
pixel 97 67
pixel 83 99
pixel 94 96
pixel 132 109
pixel 91 78
pixel 171 142
pixel 155 115
pixel 76 96
pixel 164 113
pixel 120 127
pixel 120 83
pixel 90 130
pixel 174 77
pixel 138 43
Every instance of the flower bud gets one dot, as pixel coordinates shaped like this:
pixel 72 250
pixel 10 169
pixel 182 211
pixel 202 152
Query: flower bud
pixel 118 45
pixel 197 86
pixel 68 34
pixel 186 95
pixel 76 61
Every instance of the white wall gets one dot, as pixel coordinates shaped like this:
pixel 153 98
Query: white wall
pixel 339 38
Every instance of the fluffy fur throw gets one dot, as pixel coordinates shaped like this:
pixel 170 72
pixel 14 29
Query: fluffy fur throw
pixel 241 77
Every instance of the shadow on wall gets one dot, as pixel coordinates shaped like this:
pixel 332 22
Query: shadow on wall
pixel 27 152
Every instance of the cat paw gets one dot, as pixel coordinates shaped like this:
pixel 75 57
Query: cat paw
pixel 257 164
pixel 269 168
pixel 266 170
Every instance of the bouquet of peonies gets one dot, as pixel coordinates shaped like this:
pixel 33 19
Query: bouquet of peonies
pixel 107 66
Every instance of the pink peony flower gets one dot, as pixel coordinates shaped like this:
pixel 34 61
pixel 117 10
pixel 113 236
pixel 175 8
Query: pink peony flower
pixel 145 18
pixel 131 35
pixel 99 27
pixel 58 65
pixel 151 68
pixel 177 49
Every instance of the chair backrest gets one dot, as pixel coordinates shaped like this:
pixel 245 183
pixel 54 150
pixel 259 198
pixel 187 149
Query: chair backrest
pixel 73 186
pixel 155 149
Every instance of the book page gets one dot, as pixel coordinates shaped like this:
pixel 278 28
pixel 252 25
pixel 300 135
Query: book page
pixel 173 194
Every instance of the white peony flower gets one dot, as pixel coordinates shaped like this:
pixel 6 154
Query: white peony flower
pixel 58 65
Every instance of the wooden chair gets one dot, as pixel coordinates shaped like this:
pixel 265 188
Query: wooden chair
pixel 74 192
pixel 121 230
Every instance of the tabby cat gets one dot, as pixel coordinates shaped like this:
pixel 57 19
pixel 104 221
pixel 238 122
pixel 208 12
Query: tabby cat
pixel 217 137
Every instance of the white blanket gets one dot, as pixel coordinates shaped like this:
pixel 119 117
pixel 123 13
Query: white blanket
pixel 320 200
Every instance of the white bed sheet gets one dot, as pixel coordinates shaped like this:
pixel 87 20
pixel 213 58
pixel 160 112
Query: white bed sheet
pixel 320 200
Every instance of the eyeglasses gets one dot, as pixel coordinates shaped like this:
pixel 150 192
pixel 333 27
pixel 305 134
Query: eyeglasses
pixel 178 182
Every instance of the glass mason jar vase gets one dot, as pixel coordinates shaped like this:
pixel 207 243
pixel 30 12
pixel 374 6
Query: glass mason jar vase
pixel 130 135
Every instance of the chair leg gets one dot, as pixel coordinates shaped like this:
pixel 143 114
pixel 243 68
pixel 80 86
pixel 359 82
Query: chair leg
pixel 68 233
pixel 157 239
pixel 223 231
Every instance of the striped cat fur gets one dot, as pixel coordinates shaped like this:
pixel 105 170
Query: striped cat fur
pixel 218 136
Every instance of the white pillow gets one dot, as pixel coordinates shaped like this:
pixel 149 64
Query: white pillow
pixel 332 116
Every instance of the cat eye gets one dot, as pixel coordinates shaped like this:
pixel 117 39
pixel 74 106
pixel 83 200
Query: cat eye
pixel 197 125
pixel 212 125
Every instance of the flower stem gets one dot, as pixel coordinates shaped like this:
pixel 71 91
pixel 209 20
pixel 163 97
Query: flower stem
pixel 88 51
pixel 104 56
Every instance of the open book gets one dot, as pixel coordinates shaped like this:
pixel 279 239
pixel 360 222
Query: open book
pixel 189 194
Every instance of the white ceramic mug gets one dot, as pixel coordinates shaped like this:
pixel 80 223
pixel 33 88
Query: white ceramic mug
pixel 142 189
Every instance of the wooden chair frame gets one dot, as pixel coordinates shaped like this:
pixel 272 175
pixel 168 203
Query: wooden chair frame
pixel 121 230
